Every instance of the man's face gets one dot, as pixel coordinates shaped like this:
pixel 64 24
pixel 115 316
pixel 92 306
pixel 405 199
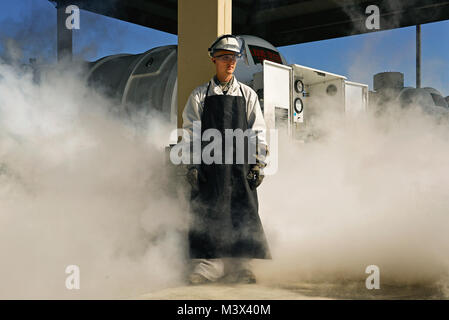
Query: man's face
pixel 225 62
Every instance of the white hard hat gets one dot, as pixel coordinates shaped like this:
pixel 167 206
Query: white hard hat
pixel 226 42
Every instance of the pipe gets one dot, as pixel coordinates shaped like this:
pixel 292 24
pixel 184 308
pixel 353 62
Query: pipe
pixel 418 56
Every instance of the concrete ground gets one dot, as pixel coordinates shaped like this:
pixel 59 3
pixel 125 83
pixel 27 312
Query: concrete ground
pixel 227 292
pixel 293 291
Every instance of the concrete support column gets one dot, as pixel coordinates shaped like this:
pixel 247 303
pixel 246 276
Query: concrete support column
pixel 64 35
pixel 200 22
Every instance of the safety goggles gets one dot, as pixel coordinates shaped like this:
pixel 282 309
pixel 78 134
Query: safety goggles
pixel 228 57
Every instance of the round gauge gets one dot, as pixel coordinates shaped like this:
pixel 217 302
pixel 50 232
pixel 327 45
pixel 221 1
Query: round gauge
pixel 299 86
pixel 298 105
pixel 331 90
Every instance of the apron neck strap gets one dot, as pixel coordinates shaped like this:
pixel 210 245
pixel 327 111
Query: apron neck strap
pixel 207 91
pixel 241 90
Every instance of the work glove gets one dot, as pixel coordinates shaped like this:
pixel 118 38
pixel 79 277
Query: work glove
pixel 194 177
pixel 254 177
pixel 261 155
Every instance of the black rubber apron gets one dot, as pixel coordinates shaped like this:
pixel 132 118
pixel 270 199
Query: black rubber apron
pixel 225 219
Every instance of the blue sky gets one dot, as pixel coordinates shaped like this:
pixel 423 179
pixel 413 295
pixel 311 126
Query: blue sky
pixel 32 23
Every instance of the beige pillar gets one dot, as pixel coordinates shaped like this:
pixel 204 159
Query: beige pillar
pixel 200 22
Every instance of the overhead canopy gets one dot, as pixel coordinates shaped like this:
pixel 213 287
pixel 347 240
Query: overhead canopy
pixel 281 22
